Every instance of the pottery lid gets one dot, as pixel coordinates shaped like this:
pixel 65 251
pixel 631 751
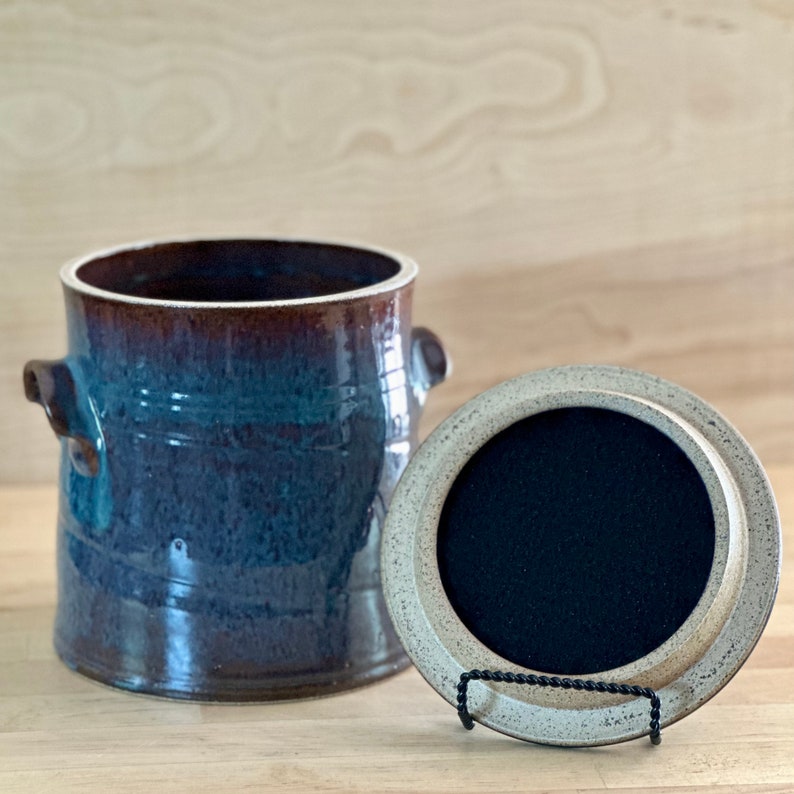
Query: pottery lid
pixel 582 524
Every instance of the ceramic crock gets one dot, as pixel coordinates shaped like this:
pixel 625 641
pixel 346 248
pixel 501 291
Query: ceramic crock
pixel 234 415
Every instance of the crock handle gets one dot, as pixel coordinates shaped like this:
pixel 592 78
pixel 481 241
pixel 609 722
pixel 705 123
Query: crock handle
pixel 429 361
pixel 53 385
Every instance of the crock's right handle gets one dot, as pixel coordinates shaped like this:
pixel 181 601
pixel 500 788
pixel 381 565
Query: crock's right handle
pixel 429 361
pixel 52 384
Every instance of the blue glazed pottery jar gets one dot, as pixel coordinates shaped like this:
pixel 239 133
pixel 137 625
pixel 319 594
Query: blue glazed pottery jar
pixel 234 415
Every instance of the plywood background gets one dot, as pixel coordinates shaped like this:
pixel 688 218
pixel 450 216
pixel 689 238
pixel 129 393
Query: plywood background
pixel 603 181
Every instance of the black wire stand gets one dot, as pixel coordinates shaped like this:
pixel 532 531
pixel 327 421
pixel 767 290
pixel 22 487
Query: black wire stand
pixel 554 682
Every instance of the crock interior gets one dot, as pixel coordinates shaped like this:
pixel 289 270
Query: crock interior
pixel 575 541
pixel 237 270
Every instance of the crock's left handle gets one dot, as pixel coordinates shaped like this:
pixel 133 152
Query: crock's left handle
pixel 55 386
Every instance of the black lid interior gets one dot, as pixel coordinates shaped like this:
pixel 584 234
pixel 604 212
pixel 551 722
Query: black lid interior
pixel 576 540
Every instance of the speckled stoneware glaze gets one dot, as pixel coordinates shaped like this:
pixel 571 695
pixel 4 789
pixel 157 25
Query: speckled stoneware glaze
pixel 574 504
pixel 234 415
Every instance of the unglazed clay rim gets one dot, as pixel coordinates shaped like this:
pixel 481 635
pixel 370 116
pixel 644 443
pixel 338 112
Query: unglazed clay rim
pixel 434 637
pixel 406 273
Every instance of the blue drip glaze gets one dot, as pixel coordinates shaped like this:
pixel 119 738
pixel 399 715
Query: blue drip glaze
pixel 228 546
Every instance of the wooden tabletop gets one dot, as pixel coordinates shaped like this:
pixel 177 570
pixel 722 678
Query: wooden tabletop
pixel 61 732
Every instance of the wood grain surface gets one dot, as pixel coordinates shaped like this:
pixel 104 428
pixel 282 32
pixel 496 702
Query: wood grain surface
pixel 588 180
pixel 60 732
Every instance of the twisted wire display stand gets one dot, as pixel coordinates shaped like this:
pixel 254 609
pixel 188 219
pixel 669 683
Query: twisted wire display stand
pixel 554 682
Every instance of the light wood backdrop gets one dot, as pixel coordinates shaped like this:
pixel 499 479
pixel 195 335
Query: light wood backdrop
pixel 603 181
